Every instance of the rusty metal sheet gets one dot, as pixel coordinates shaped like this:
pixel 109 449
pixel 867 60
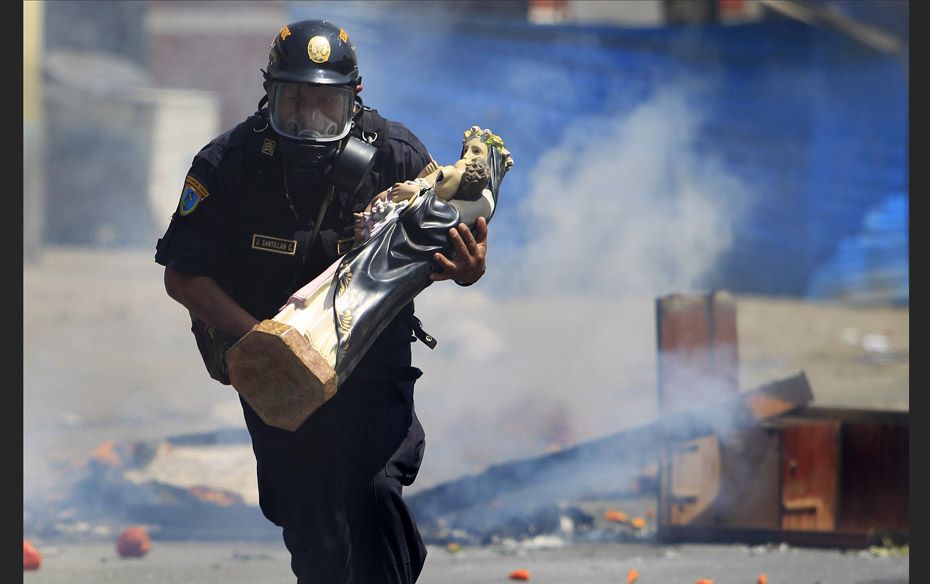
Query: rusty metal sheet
pixel 697 360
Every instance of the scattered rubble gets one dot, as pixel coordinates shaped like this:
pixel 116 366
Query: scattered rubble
pixel 185 486
pixel 616 516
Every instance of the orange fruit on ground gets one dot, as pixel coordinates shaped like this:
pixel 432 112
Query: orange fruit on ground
pixel 31 557
pixel 133 542
pixel 520 575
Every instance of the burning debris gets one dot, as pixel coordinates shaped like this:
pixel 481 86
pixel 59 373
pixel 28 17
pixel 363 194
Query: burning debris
pixel 203 486
pixel 563 492
pixel 194 485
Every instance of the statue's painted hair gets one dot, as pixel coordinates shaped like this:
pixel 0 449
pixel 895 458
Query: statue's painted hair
pixel 474 179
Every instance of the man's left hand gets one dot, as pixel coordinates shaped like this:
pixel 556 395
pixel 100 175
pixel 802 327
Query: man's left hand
pixel 470 252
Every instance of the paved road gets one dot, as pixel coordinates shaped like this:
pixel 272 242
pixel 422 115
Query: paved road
pixel 242 562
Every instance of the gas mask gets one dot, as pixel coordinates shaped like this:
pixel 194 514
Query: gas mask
pixel 314 122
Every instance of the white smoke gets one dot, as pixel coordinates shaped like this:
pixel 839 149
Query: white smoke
pixel 634 210
pixel 556 345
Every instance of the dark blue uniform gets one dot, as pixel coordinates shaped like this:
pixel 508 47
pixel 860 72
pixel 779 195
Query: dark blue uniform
pixel 335 484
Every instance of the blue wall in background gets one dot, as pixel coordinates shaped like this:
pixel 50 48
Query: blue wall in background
pixel 814 121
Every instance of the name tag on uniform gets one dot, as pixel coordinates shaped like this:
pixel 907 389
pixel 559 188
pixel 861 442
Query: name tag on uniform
pixel 274 244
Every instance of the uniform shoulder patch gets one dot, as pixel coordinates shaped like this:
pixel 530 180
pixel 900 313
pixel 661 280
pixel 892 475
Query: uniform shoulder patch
pixel 191 195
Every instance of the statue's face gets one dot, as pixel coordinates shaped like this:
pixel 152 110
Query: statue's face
pixel 448 179
pixel 475 147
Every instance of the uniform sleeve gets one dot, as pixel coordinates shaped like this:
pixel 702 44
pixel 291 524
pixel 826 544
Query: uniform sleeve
pixel 202 229
pixel 410 154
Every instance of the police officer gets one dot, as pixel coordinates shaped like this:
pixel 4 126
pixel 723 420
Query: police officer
pixel 265 207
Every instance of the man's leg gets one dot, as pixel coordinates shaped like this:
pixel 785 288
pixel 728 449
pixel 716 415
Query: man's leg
pixel 335 486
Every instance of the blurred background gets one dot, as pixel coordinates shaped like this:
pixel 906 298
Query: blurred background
pixel 661 147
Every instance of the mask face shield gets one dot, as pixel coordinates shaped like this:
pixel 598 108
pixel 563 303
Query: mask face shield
pixel 317 113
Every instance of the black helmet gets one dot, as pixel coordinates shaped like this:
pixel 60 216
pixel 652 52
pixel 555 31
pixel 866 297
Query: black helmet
pixel 313 51
pixel 311 79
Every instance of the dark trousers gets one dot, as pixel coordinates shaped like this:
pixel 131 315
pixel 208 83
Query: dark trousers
pixel 334 485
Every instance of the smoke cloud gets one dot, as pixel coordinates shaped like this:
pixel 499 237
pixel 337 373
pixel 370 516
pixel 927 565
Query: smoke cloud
pixel 557 344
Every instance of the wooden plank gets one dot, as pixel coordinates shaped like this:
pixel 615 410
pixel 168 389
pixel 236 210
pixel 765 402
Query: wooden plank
pixel 813 412
pixel 690 494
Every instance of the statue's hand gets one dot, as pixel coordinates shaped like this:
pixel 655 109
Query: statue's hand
pixel 468 264
pixel 360 227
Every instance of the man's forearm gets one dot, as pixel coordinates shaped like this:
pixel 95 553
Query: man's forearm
pixel 206 300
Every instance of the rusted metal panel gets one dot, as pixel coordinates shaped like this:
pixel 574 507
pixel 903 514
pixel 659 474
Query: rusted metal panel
pixel 874 477
pixel 697 359
pixel 809 464
pixel 697 365
pixel 725 356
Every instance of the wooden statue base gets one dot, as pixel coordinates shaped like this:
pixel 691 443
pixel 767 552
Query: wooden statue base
pixel 279 374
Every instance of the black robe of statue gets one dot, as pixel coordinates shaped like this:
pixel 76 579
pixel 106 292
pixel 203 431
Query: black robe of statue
pixel 377 279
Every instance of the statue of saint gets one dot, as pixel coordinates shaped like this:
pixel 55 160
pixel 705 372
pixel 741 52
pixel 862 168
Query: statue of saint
pixel 288 366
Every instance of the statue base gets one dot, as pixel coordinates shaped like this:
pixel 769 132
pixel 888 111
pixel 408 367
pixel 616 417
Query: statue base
pixel 278 372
